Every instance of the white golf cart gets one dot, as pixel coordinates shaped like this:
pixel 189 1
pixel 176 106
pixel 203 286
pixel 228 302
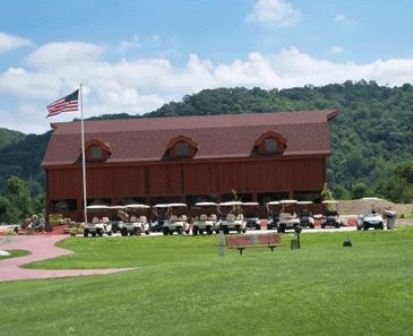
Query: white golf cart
pixel 138 223
pixel 273 214
pixel 232 218
pixel 288 217
pixel 175 223
pixel 207 221
pixel 251 215
pixel 331 215
pixel 305 214
pixel 98 225
pixel 371 217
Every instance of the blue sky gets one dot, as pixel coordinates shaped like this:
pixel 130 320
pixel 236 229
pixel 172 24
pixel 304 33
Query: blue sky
pixel 133 56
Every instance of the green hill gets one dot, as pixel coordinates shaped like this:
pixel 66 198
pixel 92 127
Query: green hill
pixel 371 135
pixel 9 137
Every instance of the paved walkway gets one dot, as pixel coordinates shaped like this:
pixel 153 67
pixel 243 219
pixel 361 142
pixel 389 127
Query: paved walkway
pixel 41 247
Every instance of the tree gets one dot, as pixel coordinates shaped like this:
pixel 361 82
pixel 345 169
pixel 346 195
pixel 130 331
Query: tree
pixel 360 190
pixel 405 170
pixel 17 201
pixel 326 193
pixel 342 193
pixel 395 189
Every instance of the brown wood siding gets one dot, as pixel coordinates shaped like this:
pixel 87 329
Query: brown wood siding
pixel 200 179
pixel 189 178
pixel 165 180
pixel 128 181
pixel 64 183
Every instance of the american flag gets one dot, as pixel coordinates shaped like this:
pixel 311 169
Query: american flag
pixel 69 103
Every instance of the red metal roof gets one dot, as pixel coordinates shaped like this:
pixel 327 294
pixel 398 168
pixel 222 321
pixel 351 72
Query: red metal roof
pixel 218 136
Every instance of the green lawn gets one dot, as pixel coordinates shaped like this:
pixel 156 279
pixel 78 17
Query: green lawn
pixel 16 253
pixel 182 287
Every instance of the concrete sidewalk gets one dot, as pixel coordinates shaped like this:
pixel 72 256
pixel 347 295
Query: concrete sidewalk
pixel 41 248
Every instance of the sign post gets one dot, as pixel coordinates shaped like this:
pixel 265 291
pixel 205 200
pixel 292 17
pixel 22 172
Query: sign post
pixel 221 244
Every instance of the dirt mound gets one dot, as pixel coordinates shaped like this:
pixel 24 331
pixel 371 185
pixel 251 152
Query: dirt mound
pixel 353 207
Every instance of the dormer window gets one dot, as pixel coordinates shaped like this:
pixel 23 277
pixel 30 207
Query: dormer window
pixel 97 151
pixel 270 143
pixel 270 146
pixel 181 147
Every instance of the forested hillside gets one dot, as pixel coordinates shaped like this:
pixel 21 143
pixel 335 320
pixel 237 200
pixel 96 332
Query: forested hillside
pixel 9 137
pixel 371 136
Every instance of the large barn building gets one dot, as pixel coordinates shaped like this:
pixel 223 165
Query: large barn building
pixel 260 156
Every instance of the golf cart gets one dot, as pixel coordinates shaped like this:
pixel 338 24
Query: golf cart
pixel 137 223
pixel 174 223
pixel 98 225
pixel 330 216
pixel 273 216
pixel 161 213
pixel 288 217
pixel 231 217
pixel 207 221
pixel 371 218
pixel 251 215
pixel 116 220
pixel 305 214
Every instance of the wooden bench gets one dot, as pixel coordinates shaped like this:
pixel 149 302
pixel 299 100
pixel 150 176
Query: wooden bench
pixel 241 242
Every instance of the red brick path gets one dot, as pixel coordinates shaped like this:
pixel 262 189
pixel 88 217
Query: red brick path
pixel 41 247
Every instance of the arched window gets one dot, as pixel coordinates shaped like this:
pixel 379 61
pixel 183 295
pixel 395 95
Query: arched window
pixel 181 147
pixel 97 151
pixel 270 146
pixel 270 143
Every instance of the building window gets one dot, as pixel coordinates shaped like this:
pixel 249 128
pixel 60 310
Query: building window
pixel 63 205
pixel 270 146
pixel 95 153
pixel 182 149
pixel 270 143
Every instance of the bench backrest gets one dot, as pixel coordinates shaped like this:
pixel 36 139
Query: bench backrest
pixel 234 241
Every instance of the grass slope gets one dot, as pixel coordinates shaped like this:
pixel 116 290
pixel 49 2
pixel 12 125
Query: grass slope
pixel 183 288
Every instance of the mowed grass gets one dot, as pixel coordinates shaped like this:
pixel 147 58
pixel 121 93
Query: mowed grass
pixel 15 253
pixel 182 287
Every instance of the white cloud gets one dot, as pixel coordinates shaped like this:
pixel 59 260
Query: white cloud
pixel 336 50
pixel 19 82
pixel 144 84
pixel 10 42
pixel 56 53
pixel 127 45
pixel 274 13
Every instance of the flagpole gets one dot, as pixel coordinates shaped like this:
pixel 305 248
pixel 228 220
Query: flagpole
pixel 82 130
